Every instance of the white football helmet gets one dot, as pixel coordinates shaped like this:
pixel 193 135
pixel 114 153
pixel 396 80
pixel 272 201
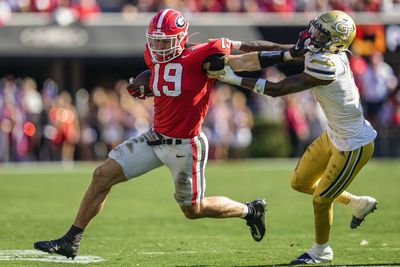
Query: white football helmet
pixel 333 31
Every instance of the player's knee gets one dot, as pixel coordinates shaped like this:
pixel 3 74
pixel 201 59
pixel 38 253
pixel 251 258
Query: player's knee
pixel 294 183
pixel 322 203
pixel 100 179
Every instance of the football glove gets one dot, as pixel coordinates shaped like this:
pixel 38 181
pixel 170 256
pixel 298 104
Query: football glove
pixel 138 91
pixel 302 45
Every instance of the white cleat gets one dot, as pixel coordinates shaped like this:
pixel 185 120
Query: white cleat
pixel 314 255
pixel 364 206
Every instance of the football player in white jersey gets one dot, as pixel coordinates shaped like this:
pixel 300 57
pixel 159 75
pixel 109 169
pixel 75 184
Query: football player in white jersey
pixel 332 161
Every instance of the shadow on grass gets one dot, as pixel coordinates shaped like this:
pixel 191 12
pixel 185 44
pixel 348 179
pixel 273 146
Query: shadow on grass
pixel 327 265
pixel 285 264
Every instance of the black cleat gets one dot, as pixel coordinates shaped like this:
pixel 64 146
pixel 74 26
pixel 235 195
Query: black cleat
pixel 256 220
pixel 61 246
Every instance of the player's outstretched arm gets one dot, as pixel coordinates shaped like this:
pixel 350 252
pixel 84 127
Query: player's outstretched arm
pixel 289 85
pixel 261 45
pixel 294 51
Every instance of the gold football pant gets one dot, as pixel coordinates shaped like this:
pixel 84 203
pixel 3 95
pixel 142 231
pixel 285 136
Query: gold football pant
pixel 325 172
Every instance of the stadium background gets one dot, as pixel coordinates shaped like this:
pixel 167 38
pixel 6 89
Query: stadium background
pixel 65 64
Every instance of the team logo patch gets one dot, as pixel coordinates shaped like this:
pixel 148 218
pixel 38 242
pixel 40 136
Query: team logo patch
pixel 180 22
pixel 343 27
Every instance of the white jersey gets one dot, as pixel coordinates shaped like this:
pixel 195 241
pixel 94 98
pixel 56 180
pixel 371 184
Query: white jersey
pixel 339 100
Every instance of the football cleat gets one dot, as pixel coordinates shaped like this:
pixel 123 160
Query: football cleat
pixel 256 221
pixel 303 259
pixel 365 205
pixel 314 256
pixel 61 246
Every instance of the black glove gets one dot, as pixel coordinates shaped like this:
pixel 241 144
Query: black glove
pixel 301 46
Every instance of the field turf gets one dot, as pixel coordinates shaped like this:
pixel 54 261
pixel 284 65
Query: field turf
pixel 141 225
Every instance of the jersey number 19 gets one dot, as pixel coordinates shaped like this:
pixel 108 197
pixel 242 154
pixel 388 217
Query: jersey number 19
pixel 172 74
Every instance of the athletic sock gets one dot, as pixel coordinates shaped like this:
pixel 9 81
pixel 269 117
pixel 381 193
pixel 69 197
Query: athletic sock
pixel 245 211
pixel 250 211
pixel 74 234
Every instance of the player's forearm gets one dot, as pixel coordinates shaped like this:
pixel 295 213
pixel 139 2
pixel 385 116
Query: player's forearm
pixel 287 86
pixel 245 62
pixel 262 45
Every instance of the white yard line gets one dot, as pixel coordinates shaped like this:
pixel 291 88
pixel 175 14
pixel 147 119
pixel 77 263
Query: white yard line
pixel 34 255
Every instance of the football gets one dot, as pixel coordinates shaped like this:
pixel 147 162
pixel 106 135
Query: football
pixel 143 79
pixel 140 86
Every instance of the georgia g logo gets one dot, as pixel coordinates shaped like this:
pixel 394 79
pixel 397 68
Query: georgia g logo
pixel 180 22
pixel 344 28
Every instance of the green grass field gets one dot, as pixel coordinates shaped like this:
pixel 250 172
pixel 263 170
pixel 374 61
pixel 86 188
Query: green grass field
pixel 141 224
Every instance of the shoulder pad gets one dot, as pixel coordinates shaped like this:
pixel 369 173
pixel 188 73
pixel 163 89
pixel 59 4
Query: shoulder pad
pixel 320 66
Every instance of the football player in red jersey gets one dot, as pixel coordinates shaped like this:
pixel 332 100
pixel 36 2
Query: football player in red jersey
pixel 181 90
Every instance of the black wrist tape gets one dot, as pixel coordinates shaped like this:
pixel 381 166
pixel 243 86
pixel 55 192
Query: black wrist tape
pixel 270 58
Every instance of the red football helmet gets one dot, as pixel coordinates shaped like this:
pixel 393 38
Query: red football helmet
pixel 167 35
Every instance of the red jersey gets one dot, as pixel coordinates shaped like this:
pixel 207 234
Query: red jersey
pixel 182 89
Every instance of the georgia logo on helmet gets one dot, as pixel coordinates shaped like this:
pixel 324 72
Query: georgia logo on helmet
pixel 167 35
pixel 332 31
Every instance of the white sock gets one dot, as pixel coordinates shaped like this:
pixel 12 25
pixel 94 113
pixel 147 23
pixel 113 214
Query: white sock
pixel 320 246
pixel 245 211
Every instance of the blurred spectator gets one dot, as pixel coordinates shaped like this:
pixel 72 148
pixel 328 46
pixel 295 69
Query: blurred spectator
pixel 33 106
pixel 378 81
pixel 242 124
pixel 218 124
pixel 87 9
pixel 296 124
pixel 65 118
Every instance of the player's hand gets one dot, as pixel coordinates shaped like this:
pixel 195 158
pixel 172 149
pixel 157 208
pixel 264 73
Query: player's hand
pixel 139 87
pixel 302 45
pixel 138 91
pixel 135 91
pixel 225 75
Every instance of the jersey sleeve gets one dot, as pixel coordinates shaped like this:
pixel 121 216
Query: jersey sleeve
pixel 219 46
pixel 320 66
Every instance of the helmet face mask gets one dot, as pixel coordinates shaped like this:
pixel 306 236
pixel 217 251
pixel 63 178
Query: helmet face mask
pixel 167 35
pixel 332 31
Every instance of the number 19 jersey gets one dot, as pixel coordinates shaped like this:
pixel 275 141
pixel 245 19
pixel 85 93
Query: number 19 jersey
pixel 182 89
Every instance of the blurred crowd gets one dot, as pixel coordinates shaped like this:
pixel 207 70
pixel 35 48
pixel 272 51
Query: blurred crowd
pixel 46 123
pixel 88 8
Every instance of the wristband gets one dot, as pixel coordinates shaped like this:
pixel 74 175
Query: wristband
pixel 236 44
pixel 287 56
pixel 259 88
pixel 270 58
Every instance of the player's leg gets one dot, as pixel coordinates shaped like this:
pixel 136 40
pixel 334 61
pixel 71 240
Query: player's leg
pixel 128 160
pixel 360 205
pixel 307 178
pixel 311 166
pixel 340 171
pixel 105 176
pixel 190 184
